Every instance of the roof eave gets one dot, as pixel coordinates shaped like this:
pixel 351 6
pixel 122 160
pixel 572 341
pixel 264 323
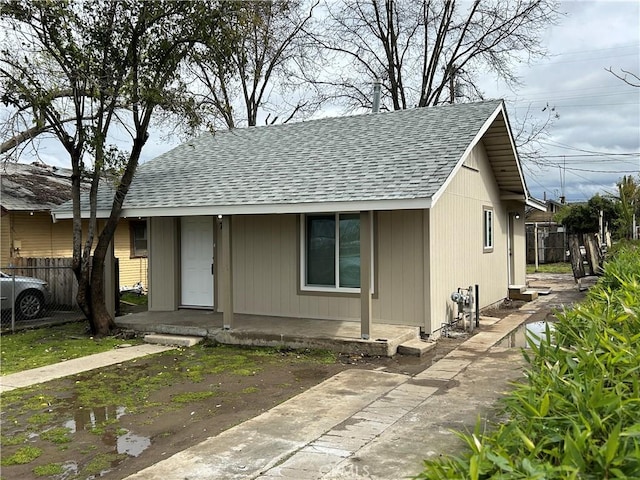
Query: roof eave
pixel 262 209
pixel 535 203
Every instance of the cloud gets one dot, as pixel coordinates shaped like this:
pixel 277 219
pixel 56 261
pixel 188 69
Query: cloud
pixel 597 112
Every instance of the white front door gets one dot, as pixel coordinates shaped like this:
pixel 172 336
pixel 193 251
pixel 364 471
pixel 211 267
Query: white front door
pixel 197 247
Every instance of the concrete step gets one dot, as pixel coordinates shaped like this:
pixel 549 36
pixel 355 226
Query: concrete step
pixel 174 340
pixel 526 295
pixel 415 347
pixel 516 289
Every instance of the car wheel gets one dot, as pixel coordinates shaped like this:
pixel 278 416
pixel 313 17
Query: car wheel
pixel 29 305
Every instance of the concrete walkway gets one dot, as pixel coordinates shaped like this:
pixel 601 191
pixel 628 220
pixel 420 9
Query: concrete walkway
pixel 34 376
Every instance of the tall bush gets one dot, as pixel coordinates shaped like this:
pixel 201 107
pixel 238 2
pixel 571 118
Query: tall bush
pixel 578 413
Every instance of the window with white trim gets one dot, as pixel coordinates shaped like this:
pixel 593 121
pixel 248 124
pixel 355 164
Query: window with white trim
pixel 488 229
pixel 330 253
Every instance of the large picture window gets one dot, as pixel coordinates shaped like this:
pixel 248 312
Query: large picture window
pixel 331 252
pixel 488 229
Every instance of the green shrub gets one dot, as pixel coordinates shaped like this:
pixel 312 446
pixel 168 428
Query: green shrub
pixel 578 414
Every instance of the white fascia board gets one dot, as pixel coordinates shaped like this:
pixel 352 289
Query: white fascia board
pixel 466 153
pixel 535 203
pixel 487 124
pixel 265 209
pixel 68 214
pixel 513 148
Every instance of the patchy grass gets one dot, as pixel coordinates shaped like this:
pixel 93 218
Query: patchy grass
pixel 133 298
pixel 11 440
pixel 57 435
pixel 44 346
pixel 48 470
pixel 26 454
pixel 560 267
pixel 189 397
pixel 102 462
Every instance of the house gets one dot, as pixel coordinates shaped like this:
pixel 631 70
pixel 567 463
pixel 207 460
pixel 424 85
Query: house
pixel 29 192
pixel 369 218
pixel 546 240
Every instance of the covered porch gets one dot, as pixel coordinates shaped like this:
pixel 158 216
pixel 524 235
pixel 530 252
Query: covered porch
pixel 257 330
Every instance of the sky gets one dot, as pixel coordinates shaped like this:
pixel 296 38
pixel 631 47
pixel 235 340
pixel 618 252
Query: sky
pixel 594 140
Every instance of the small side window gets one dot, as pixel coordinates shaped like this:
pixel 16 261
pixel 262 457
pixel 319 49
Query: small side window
pixel 138 232
pixel 488 229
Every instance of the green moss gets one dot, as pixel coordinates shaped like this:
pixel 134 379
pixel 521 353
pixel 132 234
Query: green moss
pixel 102 462
pixel 22 456
pixel 56 435
pixel 250 390
pixel 48 470
pixel 7 441
pixel 189 397
pixel 39 420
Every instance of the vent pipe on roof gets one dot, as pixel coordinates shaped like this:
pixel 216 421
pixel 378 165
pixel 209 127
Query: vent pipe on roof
pixel 377 87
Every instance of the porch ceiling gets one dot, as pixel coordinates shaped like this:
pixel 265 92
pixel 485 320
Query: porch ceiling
pixel 502 155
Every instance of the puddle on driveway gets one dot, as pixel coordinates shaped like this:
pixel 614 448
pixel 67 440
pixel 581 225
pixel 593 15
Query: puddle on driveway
pixel 123 442
pixel 532 330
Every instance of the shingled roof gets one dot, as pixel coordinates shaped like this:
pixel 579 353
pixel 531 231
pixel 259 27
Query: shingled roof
pixel 399 159
pixel 35 187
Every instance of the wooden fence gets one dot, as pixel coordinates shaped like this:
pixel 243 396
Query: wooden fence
pixel 55 271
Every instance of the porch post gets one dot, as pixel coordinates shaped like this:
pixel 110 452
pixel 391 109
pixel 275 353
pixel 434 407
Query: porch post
pixel 227 274
pixel 365 274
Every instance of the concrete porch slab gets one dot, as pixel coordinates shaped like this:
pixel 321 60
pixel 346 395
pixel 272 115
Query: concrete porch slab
pixel 257 330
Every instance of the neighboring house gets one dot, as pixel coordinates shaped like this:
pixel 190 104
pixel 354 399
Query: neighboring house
pixel 546 240
pixel 28 193
pixel 371 218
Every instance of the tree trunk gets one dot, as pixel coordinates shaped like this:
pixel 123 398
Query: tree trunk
pixel 102 323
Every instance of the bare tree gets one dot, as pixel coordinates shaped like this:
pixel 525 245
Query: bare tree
pixel 627 77
pixel 427 52
pixel 78 68
pixel 272 51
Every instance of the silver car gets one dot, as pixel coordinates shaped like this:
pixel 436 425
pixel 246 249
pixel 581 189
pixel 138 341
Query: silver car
pixel 31 296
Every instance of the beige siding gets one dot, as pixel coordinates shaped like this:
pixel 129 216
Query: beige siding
pixel 399 268
pixel 41 238
pixel 266 266
pixel 164 273
pixel 456 237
